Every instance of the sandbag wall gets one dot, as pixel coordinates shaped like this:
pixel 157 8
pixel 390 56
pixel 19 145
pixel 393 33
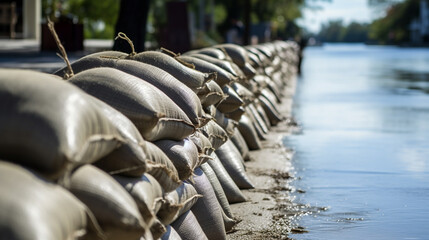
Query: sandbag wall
pixel 136 146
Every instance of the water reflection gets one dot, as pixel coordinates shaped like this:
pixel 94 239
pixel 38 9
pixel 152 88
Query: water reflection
pixel 363 154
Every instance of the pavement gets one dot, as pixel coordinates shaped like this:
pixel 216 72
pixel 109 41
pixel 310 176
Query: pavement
pixel 26 54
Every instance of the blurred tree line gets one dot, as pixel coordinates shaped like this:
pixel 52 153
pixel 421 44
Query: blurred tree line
pixel 99 17
pixel 337 31
pixel 393 27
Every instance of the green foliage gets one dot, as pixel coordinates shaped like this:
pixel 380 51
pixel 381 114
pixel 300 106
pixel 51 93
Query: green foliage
pixel 393 28
pixel 98 17
pixel 336 31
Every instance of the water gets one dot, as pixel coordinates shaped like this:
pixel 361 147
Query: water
pixel 364 150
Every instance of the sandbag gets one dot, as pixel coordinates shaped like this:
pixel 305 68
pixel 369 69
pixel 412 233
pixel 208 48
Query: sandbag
pixel 129 159
pixel 237 53
pixel 170 234
pixel 161 168
pixel 249 71
pixel 217 187
pixel 157 229
pixel 202 143
pixel 215 133
pixel 213 52
pixel 261 112
pixel 232 192
pixel 272 113
pixel 31 208
pixel 192 78
pixel 207 209
pixel 211 94
pixel 240 144
pixel 178 202
pixel 146 192
pixel 224 64
pixel 184 97
pixel 188 227
pixel 115 210
pixel 247 129
pixel 246 95
pixel 233 163
pixel 151 110
pixel 50 125
pixel 232 102
pixel 183 154
pixel 256 123
pixel 236 114
pixel 223 77
pixel 227 124
pixel 257 117
pixel 228 222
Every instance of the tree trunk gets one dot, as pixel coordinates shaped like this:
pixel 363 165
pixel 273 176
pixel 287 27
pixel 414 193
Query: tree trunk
pixel 132 21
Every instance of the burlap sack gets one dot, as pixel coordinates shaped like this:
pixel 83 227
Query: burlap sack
pixel 50 125
pixel 115 210
pixel 31 208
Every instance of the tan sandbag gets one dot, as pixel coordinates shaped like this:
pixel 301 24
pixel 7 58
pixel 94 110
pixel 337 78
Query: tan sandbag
pixel 188 228
pixel 227 124
pixel 129 159
pixel 151 110
pixel 223 77
pixel 246 95
pixel 115 210
pixel 247 129
pixel 217 187
pixel 249 71
pixel 170 234
pixel 236 114
pixel 261 112
pixel 257 126
pixel 32 208
pixel 183 154
pixel 207 209
pixel 178 202
pixel 161 167
pixel 228 222
pixel 254 60
pixel 263 59
pixel 224 64
pixel 233 163
pixel 215 133
pixel 256 117
pixel 232 192
pixel 157 229
pixel 237 53
pixel 272 113
pixel 146 192
pixel 184 97
pixel 240 144
pixel 211 94
pixel 213 52
pixel 232 102
pixel 203 144
pixel 192 78
pixel 50 125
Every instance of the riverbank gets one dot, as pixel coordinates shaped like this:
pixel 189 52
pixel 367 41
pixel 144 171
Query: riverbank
pixel 269 210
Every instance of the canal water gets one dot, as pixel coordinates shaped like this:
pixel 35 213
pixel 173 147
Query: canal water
pixel 362 157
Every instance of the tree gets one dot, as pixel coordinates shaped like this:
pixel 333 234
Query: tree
pixel 132 21
pixel 394 26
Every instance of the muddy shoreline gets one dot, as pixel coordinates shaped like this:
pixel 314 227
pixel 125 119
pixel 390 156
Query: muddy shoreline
pixel 269 211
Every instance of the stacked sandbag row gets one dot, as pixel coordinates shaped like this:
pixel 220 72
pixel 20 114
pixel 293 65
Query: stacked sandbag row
pixel 136 146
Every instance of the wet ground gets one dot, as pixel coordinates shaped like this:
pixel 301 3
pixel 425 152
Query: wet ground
pixel 362 158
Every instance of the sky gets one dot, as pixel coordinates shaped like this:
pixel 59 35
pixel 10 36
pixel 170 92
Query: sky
pixel 347 10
